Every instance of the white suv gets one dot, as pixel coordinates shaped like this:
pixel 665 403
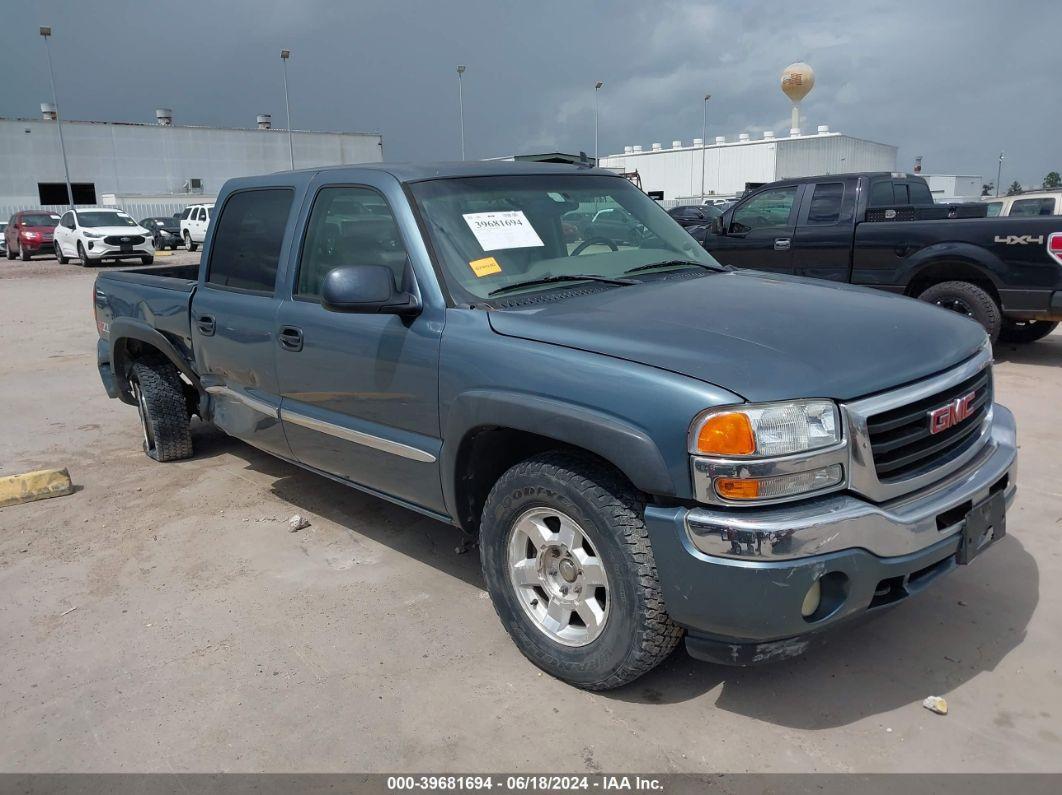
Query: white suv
pixel 98 233
pixel 194 225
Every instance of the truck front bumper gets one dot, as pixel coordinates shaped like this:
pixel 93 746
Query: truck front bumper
pixel 738 580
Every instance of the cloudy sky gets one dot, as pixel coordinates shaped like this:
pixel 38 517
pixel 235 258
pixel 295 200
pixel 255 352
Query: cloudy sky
pixel 954 81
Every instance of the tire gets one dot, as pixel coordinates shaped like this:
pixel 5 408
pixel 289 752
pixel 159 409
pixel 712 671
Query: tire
pixel 1023 331
pixel 967 299
pixel 59 255
pixel 82 257
pixel 163 409
pixel 188 241
pixel 147 260
pixel 23 254
pixel 579 497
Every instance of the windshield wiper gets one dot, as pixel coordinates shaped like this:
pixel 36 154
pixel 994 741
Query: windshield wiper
pixel 672 262
pixel 561 277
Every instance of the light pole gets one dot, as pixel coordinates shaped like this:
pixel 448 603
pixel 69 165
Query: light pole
pixel 597 88
pixel 704 142
pixel 284 55
pixel 461 105
pixel 999 172
pixel 46 32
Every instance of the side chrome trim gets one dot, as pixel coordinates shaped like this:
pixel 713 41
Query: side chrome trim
pixel 863 477
pixel 364 439
pixel 261 406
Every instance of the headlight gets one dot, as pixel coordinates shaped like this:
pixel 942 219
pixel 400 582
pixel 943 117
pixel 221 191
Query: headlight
pixel 766 431
pixel 31 235
pixel 93 235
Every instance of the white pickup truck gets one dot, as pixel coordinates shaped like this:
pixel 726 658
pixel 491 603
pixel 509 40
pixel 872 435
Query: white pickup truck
pixel 194 225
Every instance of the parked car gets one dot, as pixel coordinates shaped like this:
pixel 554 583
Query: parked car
pixel 646 444
pixel 883 230
pixel 1048 202
pixel 3 237
pixel 94 234
pixel 194 224
pixel 165 231
pixel 693 215
pixel 28 233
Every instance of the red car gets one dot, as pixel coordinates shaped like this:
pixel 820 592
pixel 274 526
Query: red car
pixel 30 232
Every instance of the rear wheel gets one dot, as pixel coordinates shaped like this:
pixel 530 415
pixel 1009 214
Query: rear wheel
pixel 570 570
pixel 969 300
pixel 161 403
pixel 59 255
pixel 1021 331
pixel 188 241
pixel 9 253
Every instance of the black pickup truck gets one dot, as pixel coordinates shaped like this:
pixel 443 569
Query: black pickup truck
pixel 883 230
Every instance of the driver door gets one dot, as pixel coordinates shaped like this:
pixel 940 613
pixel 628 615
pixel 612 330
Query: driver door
pixel 64 235
pixel 760 231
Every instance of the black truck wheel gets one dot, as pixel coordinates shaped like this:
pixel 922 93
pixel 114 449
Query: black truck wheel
pixel 967 299
pixel 570 570
pixel 1022 331
pixel 160 400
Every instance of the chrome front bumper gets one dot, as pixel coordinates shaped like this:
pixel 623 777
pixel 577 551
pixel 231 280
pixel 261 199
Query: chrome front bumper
pixel 836 522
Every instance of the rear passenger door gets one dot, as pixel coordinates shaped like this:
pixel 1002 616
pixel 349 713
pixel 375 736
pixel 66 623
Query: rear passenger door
pixel 360 391
pixel 822 246
pixel 760 231
pixel 234 314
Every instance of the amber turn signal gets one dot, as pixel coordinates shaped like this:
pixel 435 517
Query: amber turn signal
pixel 737 488
pixel 726 434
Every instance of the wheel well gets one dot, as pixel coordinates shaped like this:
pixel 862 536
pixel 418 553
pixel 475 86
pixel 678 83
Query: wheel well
pixel 950 271
pixel 484 456
pixel 128 350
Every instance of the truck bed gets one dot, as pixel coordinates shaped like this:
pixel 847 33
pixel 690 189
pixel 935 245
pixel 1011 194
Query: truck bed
pixel 159 296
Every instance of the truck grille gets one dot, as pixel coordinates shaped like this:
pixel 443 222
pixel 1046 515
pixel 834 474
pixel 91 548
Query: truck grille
pixel 123 240
pixel 902 443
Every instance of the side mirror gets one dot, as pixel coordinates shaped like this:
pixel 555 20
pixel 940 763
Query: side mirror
pixel 367 290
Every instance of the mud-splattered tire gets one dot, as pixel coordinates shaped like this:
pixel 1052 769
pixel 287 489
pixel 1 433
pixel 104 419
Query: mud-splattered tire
pixel 163 409
pixel 969 300
pixel 1023 331
pixel 562 495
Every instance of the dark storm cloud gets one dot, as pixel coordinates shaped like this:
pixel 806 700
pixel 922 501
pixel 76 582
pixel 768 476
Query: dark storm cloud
pixel 953 81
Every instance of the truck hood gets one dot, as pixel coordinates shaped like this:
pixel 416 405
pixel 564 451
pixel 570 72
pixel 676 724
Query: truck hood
pixel 761 336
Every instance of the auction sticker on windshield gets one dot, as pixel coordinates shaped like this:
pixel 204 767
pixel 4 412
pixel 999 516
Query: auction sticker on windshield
pixel 500 230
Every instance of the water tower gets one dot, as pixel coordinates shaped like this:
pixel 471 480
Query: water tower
pixel 797 81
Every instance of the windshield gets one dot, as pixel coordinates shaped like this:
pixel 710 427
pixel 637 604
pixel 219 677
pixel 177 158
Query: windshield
pixel 40 219
pixel 494 232
pixel 104 218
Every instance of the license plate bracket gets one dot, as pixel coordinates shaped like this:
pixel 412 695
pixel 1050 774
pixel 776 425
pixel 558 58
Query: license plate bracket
pixel 985 524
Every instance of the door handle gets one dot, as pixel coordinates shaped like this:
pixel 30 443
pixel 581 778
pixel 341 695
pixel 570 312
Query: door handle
pixel 781 244
pixel 206 325
pixel 290 338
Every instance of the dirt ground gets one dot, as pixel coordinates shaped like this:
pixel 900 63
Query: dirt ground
pixel 163 617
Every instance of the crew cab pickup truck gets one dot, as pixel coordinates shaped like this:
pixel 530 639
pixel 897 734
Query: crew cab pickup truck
pixel 646 445
pixel 1006 273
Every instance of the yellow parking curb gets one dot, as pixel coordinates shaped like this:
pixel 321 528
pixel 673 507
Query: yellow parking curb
pixel 160 253
pixel 30 486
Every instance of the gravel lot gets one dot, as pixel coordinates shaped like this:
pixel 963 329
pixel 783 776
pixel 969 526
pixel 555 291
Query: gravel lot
pixel 163 618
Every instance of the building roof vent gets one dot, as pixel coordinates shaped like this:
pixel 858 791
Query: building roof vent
pixel 823 129
pixel 676 144
pixel 698 142
pixel 265 121
pixel 720 139
pixel 637 147
pixel 657 147
pixel 164 117
pixel 48 111
pixel 743 137
pixel 628 149
pixel 768 135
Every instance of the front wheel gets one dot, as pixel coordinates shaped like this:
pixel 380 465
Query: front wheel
pixel 147 260
pixel 23 254
pixel 969 300
pixel 570 571
pixel 82 257
pixel 60 256
pixel 163 409
pixel 1023 331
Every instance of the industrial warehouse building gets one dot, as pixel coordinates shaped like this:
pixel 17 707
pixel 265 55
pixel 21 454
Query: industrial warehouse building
pixel 729 166
pixel 150 168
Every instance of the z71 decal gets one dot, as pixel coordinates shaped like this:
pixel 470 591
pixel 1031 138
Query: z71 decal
pixel 1020 240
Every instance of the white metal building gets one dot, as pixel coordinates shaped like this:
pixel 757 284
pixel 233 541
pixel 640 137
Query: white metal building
pixel 154 159
pixel 729 165
pixel 945 187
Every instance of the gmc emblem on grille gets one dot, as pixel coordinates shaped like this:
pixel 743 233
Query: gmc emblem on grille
pixel 950 415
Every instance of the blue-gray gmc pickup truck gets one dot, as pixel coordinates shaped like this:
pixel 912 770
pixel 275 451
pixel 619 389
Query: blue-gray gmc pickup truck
pixel 647 445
